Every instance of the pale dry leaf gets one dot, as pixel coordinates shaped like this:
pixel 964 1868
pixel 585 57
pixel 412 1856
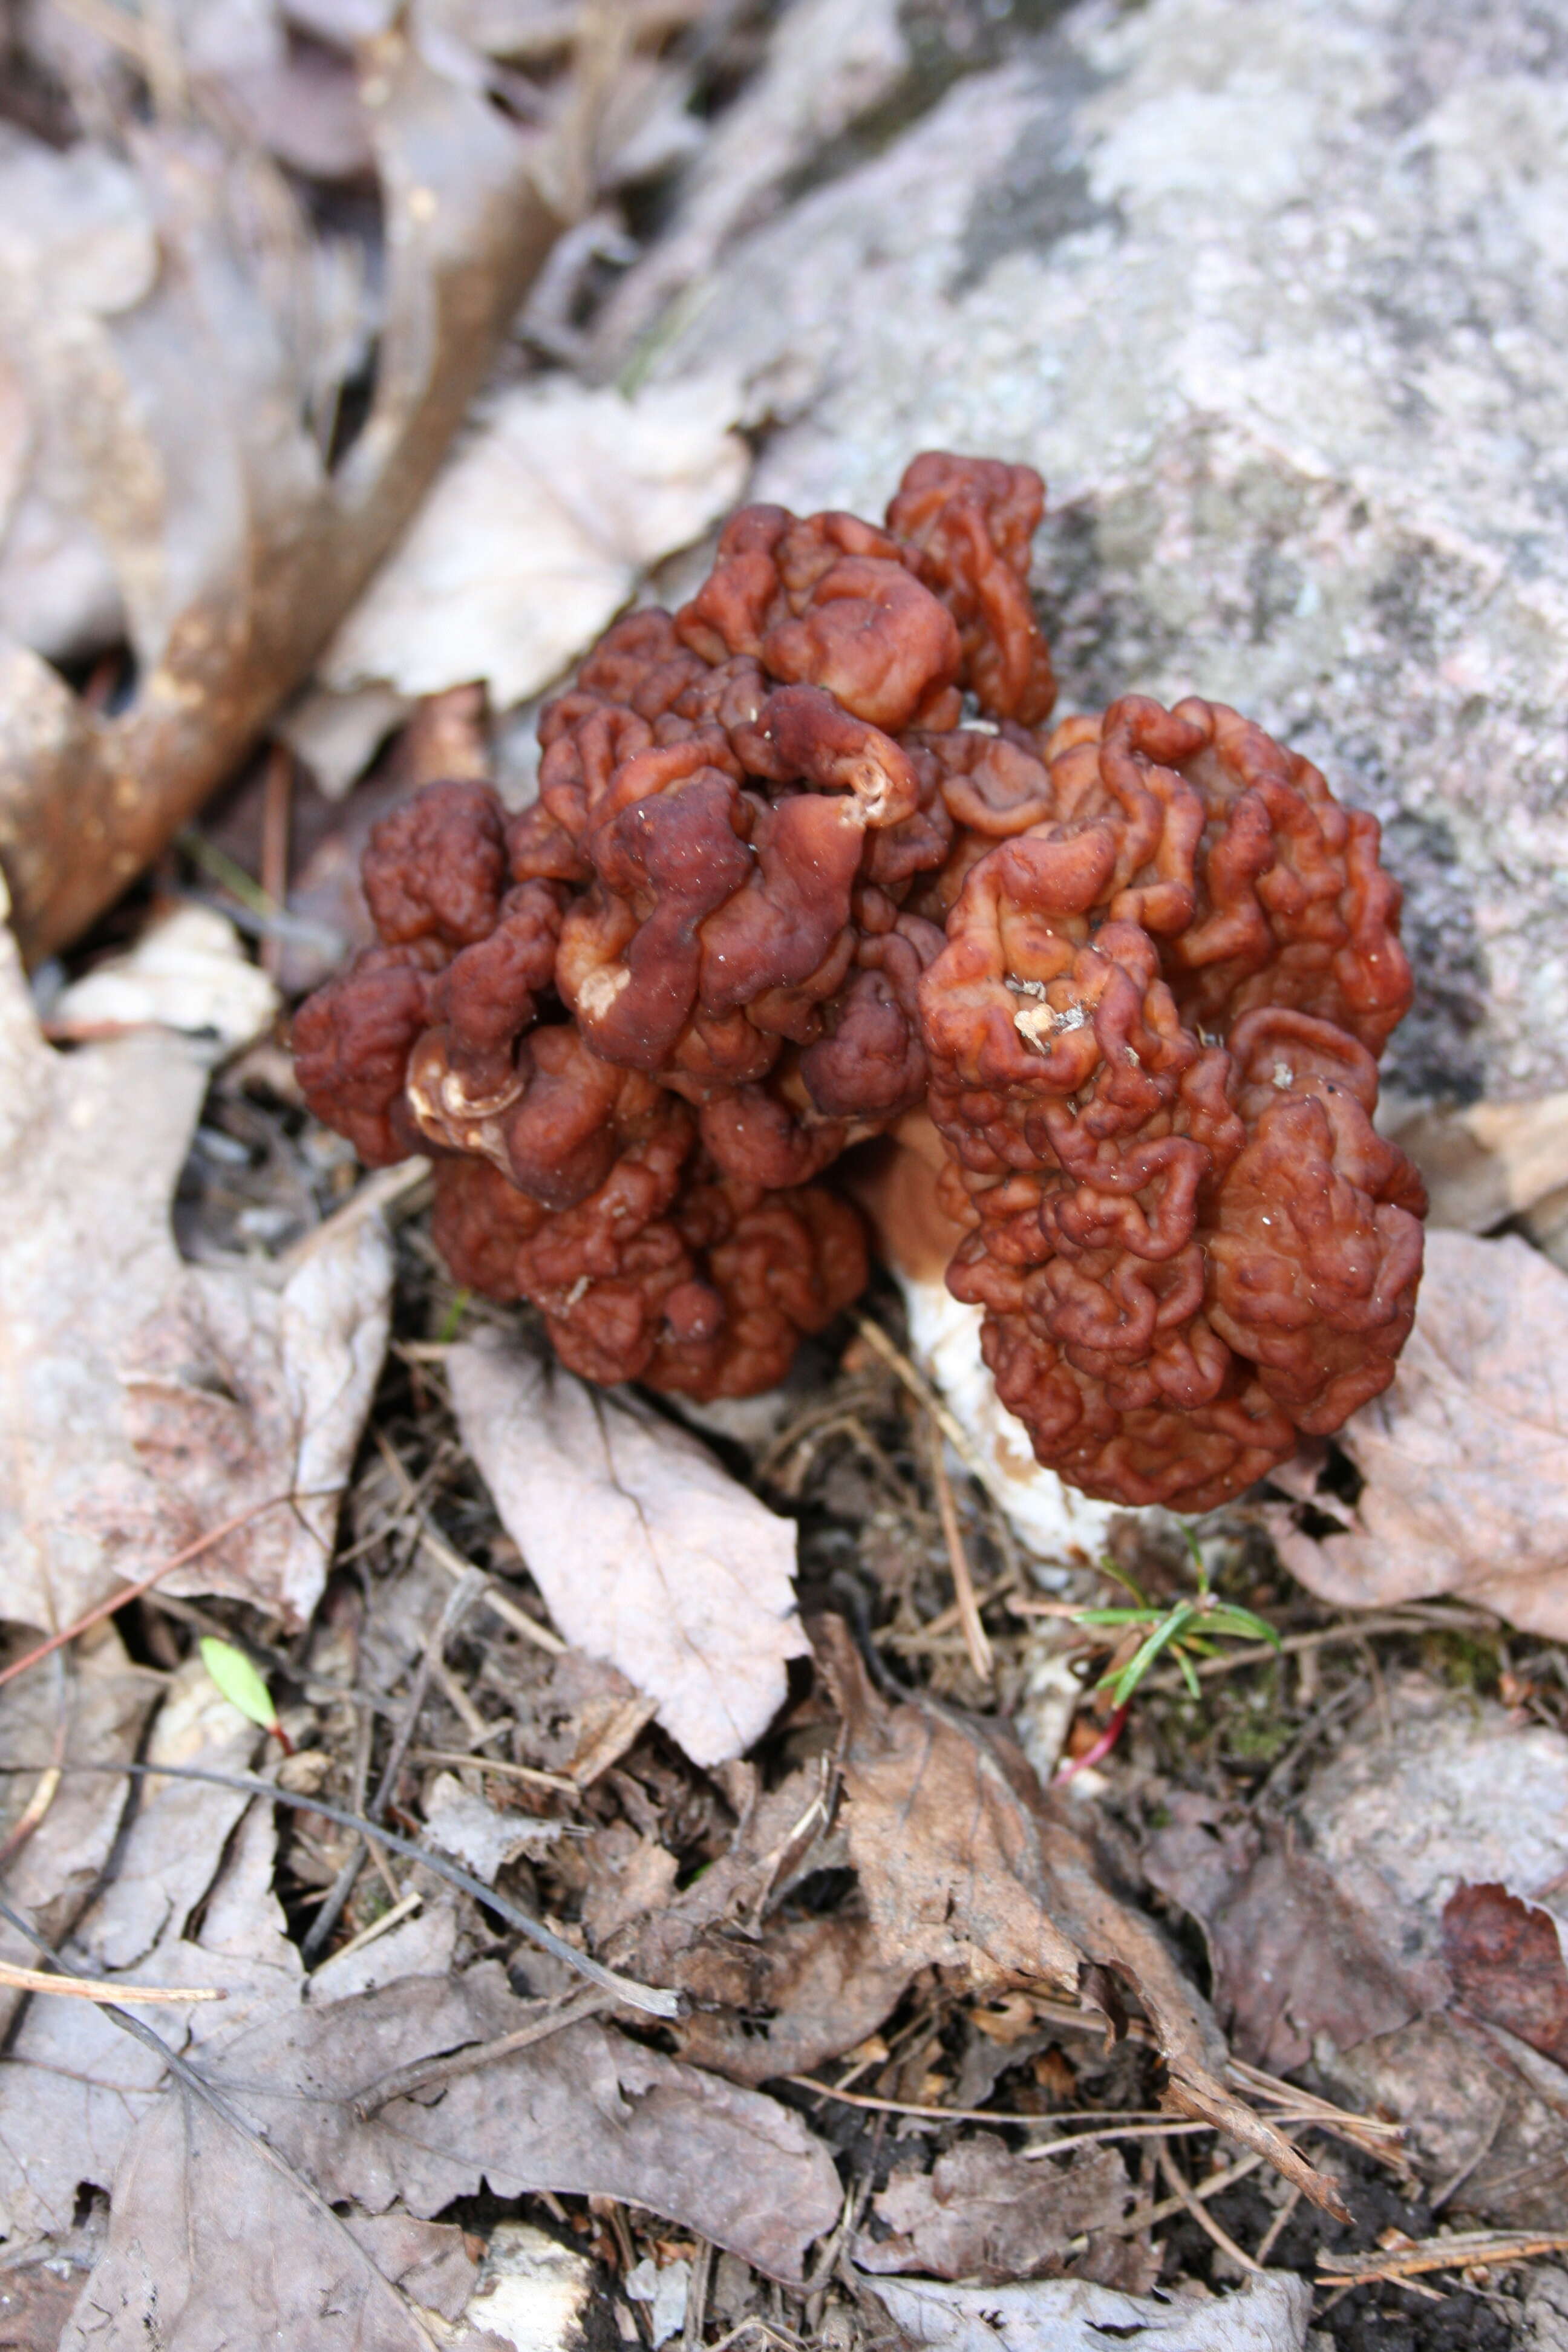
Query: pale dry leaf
pixel 586 2110
pixel 198 2220
pixel 96 1704
pixel 535 534
pixel 191 428
pixel 965 1865
pixel 1465 1458
pixel 648 1554
pixel 198 1868
pixel 186 971
pixel 984 2212
pixel 144 1403
pixel 1269 2312
pixel 1484 1162
pixel 1424 1796
pixel 479 1834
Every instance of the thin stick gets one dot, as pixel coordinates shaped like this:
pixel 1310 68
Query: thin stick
pixel 543 1636
pixel 452 1615
pixel 422 2073
pixel 1143 2121
pixel 946 1620
pixel 920 1388
pixel 404 1909
pixel 386 1190
pixel 654 1999
pixel 476 1763
pixel 1144 2216
pixel 1271 2235
pixel 1206 2221
pixel 95 1988
pixel 975 1639
pixel 1481 2250
pixel 133 1591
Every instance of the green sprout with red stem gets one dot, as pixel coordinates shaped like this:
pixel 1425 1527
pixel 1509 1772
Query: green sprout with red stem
pixel 1189 1628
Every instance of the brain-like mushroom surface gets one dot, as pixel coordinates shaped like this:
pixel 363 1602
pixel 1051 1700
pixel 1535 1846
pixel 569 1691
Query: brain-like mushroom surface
pixel 806 857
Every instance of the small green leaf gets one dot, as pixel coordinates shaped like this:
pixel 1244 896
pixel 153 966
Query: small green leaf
pixel 1108 1568
pixel 1116 1617
pixel 239 1682
pixel 452 1321
pixel 1188 1677
pixel 1132 1673
pixel 1241 1625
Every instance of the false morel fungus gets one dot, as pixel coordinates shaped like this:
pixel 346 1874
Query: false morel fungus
pixel 806 858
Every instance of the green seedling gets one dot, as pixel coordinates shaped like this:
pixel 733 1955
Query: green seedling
pixel 239 1682
pixel 1190 1627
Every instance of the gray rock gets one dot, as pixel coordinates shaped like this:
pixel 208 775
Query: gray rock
pixel 1278 300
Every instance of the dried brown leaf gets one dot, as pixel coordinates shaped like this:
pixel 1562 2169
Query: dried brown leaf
pixel 648 1554
pixel 984 2213
pixel 965 1865
pixel 1484 1162
pixel 586 2110
pixel 1465 1458
pixel 1505 1956
pixel 771 1993
pixel 210 2245
pixel 192 1904
pixel 144 1403
pixel 1292 1956
pixel 192 422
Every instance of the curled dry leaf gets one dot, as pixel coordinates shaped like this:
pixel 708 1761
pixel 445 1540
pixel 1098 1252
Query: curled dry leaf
pixel 1465 1458
pixel 965 1865
pixel 1268 2313
pixel 185 394
pixel 146 1402
pixel 648 1554
pixel 777 1998
pixel 535 534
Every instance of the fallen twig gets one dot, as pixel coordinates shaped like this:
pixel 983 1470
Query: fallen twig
pixel 919 1388
pixel 1477 2249
pixel 422 2073
pixel 95 1988
pixel 133 1591
pixel 1181 2188
pixel 975 1639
